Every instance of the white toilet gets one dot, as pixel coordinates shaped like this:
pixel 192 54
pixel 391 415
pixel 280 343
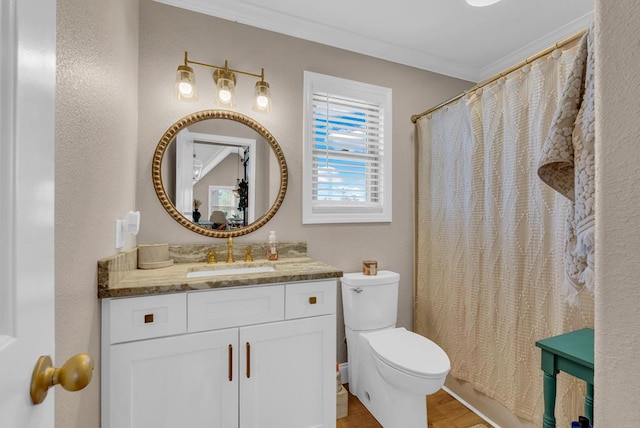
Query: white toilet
pixel 391 370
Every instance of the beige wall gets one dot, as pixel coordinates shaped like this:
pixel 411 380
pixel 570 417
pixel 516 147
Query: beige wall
pixel 166 32
pixel 95 150
pixel 617 366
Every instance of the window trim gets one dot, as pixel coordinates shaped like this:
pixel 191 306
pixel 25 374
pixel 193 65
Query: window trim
pixel 336 212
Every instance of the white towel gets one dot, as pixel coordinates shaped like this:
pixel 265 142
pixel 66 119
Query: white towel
pixel 567 165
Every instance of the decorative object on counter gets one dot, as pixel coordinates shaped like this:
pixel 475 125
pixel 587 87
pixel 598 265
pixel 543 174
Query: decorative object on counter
pixel 370 267
pixel 248 254
pixel 212 257
pixel 272 246
pixel 196 213
pixel 225 80
pixel 153 256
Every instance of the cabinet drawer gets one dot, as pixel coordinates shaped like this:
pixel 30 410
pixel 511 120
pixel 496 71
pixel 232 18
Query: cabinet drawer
pixel 308 299
pixel 209 310
pixel 146 317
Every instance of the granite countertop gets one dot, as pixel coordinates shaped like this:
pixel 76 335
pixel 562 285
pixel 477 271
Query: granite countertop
pixel 119 281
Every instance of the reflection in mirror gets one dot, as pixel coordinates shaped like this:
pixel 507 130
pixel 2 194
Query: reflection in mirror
pixel 233 170
pixel 220 171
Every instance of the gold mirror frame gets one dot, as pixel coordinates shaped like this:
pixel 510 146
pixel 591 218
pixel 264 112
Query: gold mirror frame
pixel 167 138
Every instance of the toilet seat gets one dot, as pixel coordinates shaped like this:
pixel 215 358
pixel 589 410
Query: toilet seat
pixel 409 353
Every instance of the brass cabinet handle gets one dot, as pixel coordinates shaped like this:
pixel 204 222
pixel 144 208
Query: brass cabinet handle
pixel 74 375
pixel 248 360
pixel 313 300
pixel 230 363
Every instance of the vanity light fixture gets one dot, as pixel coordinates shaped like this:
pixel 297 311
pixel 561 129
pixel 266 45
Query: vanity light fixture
pixel 185 87
pixel 262 97
pixel 197 167
pixel 225 81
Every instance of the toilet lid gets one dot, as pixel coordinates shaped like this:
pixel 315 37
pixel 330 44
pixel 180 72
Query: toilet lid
pixel 358 278
pixel 409 352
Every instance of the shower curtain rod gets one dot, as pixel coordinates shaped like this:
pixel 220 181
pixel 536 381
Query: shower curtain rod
pixel 495 77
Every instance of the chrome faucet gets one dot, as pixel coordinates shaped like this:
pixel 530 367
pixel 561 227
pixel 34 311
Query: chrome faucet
pixel 230 250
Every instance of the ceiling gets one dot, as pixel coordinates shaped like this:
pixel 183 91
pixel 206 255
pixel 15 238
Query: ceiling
pixel 443 36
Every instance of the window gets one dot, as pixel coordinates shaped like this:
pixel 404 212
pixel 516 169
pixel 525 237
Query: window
pixel 222 198
pixel 347 151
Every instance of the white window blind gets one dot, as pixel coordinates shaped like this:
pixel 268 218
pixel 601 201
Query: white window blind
pixel 347 152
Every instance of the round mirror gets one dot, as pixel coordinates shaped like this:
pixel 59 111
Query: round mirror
pixel 219 173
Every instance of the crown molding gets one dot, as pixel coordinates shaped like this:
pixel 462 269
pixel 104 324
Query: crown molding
pixel 536 46
pixel 245 12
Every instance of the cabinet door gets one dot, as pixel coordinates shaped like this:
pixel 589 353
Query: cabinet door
pixel 287 374
pixel 181 381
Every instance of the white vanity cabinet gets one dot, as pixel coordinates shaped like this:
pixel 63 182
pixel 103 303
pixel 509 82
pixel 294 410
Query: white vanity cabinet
pixel 178 381
pixel 249 357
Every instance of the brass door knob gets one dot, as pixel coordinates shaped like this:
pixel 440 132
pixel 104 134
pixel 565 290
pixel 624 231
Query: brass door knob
pixel 74 375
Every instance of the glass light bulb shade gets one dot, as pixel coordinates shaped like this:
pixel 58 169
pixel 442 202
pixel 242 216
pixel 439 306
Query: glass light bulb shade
pixel 185 87
pixel 225 89
pixel 197 168
pixel 262 100
pixel 481 3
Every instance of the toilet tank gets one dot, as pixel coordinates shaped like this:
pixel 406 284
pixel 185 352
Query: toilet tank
pixel 370 302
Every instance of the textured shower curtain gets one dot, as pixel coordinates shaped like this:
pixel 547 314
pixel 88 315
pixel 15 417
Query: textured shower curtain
pixel 490 240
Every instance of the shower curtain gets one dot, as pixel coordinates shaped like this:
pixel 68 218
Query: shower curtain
pixel 490 240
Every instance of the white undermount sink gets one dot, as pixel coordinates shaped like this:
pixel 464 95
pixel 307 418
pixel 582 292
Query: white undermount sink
pixel 230 271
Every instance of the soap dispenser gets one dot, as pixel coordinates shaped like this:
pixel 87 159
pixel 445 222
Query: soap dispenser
pixel 272 246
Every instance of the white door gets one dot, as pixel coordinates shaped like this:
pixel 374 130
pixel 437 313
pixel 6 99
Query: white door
pixel 184 173
pixel 179 381
pixel 287 374
pixel 27 90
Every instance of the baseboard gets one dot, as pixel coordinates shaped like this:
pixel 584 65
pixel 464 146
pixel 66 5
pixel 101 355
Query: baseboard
pixel 344 374
pixel 470 407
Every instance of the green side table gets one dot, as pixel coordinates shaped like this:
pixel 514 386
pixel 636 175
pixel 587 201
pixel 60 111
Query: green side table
pixel 571 353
